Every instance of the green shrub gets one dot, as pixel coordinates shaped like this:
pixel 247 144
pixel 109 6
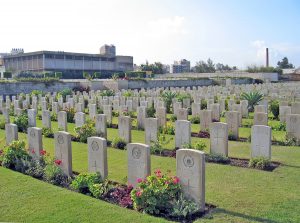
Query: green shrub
pixel 231 136
pixel 173 118
pixel 216 158
pixel 36 167
pixel 15 156
pixel 157 146
pixel 200 145
pixel 58 75
pixel 274 108
pixel 182 96
pixel 279 127
pixel 118 143
pixel 260 163
pixel 115 113
pixel 70 114
pixel 195 120
pixel 63 93
pixel 107 93
pixel 183 207
pixel 84 181
pixel 99 190
pixel 128 93
pixel 22 122
pixel 151 112
pixel 7 74
pixel 167 97
pixel 2 122
pixel 156 194
pixel 54 117
pixel 253 99
pixel 55 175
pixel 167 129
pixel 85 131
pixel 47 132
pixel 203 104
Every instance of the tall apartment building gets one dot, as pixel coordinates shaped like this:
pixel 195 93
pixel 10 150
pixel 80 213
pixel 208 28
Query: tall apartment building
pixel 181 66
pixel 72 65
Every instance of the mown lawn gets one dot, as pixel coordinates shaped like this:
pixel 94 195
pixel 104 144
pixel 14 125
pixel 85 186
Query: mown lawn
pixel 240 194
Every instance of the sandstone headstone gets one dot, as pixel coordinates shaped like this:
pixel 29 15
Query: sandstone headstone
pixel 232 119
pixel 11 133
pixel 293 127
pixel 46 119
pixel 97 156
pixel 101 125
pixel 260 118
pixel 79 119
pixel 261 141
pixel 63 151
pixel 62 121
pixel 205 119
pixel 151 130
pixel 35 143
pixel 182 133
pixel 219 138
pixel 190 169
pixel 139 164
pixel 124 128
pixel 31 117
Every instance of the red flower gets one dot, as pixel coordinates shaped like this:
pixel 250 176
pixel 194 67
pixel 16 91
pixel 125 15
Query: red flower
pixel 138 193
pixel 139 180
pixel 58 162
pixel 158 173
pixel 43 152
pixel 176 180
pixel 32 151
pixel 130 186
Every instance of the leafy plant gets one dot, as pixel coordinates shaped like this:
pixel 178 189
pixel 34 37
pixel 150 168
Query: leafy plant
pixel 279 127
pixel 167 97
pixel 99 190
pixel 22 122
pixel 216 158
pixel 121 195
pixel 231 136
pixel 274 108
pixel 85 131
pixel 182 96
pixel 156 194
pixel 63 93
pixel 47 132
pixel 70 114
pixel 260 163
pixel 151 112
pixel 183 207
pixel 253 99
pixel 167 129
pixel 118 143
pixel 203 104
pixel 157 146
pixel 173 118
pixel 54 174
pixel 15 156
pixel 84 181
pixel 195 120
pixel 2 122
pixel 107 93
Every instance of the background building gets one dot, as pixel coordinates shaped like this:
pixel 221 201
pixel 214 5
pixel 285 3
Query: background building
pixel 181 66
pixel 72 65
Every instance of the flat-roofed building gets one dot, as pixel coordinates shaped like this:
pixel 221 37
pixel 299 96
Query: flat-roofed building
pixel 72 65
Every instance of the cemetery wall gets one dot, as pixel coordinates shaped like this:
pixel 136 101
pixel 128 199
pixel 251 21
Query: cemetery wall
pixel 27 87
pixel 263 76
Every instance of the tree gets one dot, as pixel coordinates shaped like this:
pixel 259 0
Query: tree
pixel 7 74
pixel 203 67
pixel 284 64
pixel 156 68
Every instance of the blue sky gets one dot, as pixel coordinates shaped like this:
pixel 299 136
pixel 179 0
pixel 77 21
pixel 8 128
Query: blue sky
pixel 233 32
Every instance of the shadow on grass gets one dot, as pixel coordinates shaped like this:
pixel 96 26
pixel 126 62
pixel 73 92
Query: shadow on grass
pixel 249 218
pixel 291 166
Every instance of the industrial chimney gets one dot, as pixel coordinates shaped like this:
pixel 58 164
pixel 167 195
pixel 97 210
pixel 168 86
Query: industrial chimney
pixel 267 57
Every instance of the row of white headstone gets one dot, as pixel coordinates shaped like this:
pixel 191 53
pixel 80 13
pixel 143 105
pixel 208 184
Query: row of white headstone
pixel 190 164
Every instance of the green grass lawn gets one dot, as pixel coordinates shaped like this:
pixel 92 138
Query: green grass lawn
pixel 240 194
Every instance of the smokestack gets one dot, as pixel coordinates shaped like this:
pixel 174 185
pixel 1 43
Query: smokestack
pixel 267 57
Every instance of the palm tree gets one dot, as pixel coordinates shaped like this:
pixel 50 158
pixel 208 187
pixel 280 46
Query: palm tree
pixel 167 97
pixel 253 99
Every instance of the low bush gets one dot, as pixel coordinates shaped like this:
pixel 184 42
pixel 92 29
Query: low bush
pixel 15 156
pixel 121 196
pixel 100 190
pixel 70 114
pixel 173 118
pixel 260 163
pixel 84 181
pixel 84 132
pixel 274 108
pixel 156 194
pixel 167 129
pixel 150 112
pixel 231 136
pixel 279 127
pixel 118 143
pixel 195 120
pixel 216 158
pixel 22 122
pixel 183 207
pixel 2 122
pixel 157 146
pixel 47 132
pixel 55 175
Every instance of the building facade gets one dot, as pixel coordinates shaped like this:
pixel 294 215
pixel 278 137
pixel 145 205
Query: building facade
pixel 72 65
pixel 182 66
